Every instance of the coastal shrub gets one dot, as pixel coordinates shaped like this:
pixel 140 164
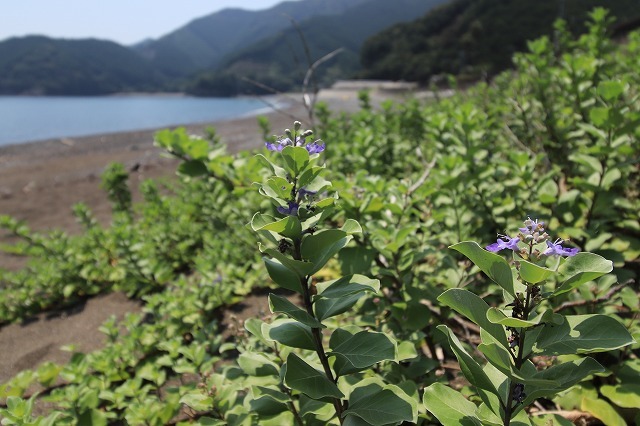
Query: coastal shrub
pixel 532 351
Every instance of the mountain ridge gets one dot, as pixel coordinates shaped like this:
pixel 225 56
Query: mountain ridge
pixel 474 38
pixel 280 61
pixel 196 45
pixel 40 65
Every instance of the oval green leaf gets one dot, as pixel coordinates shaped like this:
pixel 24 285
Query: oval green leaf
pixel 322 246
pixel 468 304
pixel 449 406
pixel 582 268
pixel 292 333
pixel 306 379
pixel 279 304
pixel 580 334
pixel 380 406
pixel 496 268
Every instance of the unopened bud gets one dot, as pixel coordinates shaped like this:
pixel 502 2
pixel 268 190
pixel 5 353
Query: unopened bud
pixel 288 133
pixel 297 125
pixel 542 238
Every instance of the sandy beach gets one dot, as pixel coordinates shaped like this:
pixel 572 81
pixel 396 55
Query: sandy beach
pixel 41 181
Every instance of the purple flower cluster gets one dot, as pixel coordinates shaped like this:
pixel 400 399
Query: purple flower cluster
pixel 315 147
pixel 290 210
pixel 278 145
pixel 556 248
pixel 532 233
pixel 504 242
pixel 292 207
pixel 312 147
pixel 532 226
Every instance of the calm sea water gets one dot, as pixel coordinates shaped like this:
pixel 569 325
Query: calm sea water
pixel 25 119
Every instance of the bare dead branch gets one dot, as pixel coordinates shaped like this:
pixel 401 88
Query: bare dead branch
pixel 310 101
pixel 601 299
pixel 423 178
pixel 269 103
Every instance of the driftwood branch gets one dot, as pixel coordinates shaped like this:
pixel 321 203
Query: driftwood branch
pixel 600 299
pixel 427 171
pixel 275 92
pixel 309 85
pixel 574 416
pixel 310 101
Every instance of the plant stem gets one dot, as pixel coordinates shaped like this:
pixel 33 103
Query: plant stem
pixel 315 332
pixel 292 407
pixel 598 190
pixel 509 406
pixel 508 411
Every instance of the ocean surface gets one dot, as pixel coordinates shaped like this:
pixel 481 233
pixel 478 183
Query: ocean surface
pixel 27 118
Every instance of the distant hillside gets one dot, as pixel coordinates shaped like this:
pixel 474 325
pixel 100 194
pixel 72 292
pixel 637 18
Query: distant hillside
pixel 280 61
pixel 43 66
pixel 473 36
pixel 205 41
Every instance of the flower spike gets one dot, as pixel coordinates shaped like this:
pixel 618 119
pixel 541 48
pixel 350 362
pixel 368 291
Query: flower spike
pixel 504 242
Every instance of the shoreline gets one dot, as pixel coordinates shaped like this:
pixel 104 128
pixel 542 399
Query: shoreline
pixel 261 105
pixel 342 98
pixel 40 181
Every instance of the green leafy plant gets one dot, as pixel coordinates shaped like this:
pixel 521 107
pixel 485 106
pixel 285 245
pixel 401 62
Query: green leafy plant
pixel 525 328
pixel 300 248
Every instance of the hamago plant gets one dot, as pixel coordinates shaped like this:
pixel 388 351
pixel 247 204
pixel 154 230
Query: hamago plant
pixel 532 351
pixel 320 373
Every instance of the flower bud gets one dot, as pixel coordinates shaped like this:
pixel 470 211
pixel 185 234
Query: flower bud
pixel 297 125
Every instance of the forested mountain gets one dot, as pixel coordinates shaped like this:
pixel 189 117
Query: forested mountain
pixel 280 61
pixel 40 65
pixel 473 37
pixel 218 54
pixel 205 41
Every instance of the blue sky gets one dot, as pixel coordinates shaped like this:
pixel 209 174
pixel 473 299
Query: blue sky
pixel 123 21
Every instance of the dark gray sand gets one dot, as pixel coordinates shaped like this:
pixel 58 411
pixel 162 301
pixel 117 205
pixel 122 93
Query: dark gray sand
pixel 41 181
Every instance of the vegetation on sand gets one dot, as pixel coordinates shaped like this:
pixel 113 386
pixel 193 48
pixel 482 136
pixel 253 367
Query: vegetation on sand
pixel 471 260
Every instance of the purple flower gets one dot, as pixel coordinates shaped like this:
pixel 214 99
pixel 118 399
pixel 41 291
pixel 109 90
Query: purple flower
pixel 304 193
pixel 532 226
pixel 556 249
pixel 315 147
pixel 504 242
pixel 290 210
pixel 278 145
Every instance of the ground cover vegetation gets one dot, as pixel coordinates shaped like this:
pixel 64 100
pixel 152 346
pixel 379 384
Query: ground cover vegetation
pixel 472 260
